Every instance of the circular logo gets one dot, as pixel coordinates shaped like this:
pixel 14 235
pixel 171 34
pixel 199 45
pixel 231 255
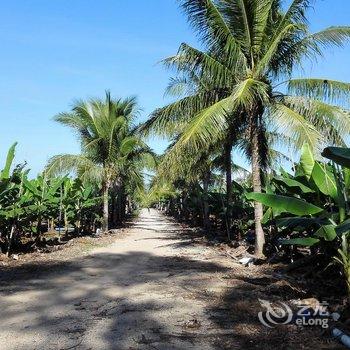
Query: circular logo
pixel 275 314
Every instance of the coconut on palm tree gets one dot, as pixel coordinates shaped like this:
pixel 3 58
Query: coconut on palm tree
pixel 252 49
pixel 109 144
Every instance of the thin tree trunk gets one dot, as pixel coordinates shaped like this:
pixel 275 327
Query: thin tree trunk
pixel 129 205
pixel 184 214
pixel 228 170
pixel 123 201
pixel 119 205
pixel 66 223
pixel 114 206
pixel 206 220
pixel 105 194
pixel 38 230
pixel 78 224
pixel 258 207
pixel 11 239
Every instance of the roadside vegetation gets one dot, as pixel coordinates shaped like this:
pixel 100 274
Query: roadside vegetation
pixel 31 207
pixel 77 194
pixel 240 93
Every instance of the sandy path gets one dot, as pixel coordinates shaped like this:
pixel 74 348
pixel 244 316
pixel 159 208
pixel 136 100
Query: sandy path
pixel 140 293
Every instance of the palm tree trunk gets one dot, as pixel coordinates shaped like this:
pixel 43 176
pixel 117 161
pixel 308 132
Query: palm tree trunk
pixel 122 207
pixel 206 220
pixel 119 204
pixel 105 195
pixel 258 208
pixel 228 170
pixel 114 206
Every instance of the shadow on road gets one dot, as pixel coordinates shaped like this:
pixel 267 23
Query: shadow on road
pixel 66 301
pixel 141 299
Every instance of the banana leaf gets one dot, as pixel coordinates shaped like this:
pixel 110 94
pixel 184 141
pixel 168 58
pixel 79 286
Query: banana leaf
pixel 5 174
pixel 344 227
pixel 294 183
pixel 327 232
pixel 307 242
pixel 338 155
pixel 307 160
pixel 296 222
pixel 285 204
pixel 325 180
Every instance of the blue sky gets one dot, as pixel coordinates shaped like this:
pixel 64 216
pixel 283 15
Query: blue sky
pixel 53 52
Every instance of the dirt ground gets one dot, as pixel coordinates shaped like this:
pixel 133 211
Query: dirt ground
pixel 156 287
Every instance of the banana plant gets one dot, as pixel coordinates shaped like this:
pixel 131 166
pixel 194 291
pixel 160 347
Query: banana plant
pixel 42 196
pixel 311 204
pixel 83 199
pixel 11 188
pixel 343 259
pixel 341 157
pixel 26 204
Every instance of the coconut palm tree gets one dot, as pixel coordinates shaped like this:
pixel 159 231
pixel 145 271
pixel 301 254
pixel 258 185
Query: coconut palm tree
pixel 252 49
pixel 109 144
pixel 192 169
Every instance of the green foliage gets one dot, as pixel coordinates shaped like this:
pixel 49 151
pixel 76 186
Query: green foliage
pixel 26 204
pixel 324 179
pixel 327 232
pixel 284 204
pixel 292 183
pixel 246 53
pixel 318 197
pixel 113 154
pixel 307 242
pixel 5 173
pixel 339 155
pixel 307 161
pixel 230 90
pixel 343 259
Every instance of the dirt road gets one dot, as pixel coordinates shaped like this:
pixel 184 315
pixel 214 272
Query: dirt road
pixel 155 288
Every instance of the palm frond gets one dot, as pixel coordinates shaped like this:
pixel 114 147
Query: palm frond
pixel 323 89
pixel 209 125
pixel 189 59
pixel 249 92
pixel 165 121
pixel 332 122
pixel 261 14
pixel 330 37
pixel 67 163
pixel 294 125
pixel 180 87
pixel 207 19
pixel 285 34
